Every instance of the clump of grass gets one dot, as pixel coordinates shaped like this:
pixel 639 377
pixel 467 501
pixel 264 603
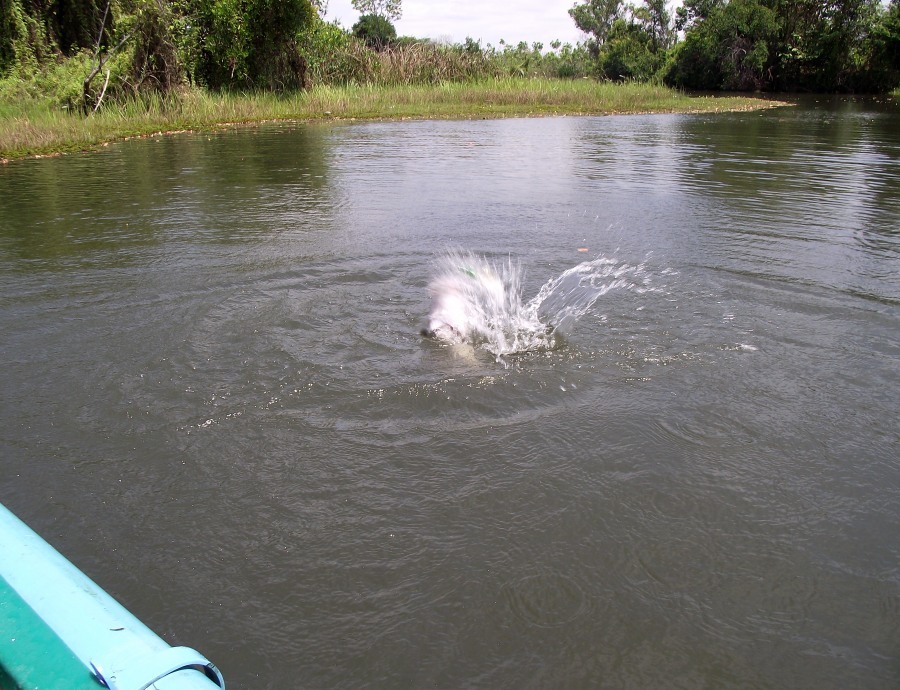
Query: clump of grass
pixel 510 96
pixel 350 61
pixel 429 64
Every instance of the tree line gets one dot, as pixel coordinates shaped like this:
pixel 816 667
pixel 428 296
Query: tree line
pixel 126 47
pixel 160 44
pixel 744 45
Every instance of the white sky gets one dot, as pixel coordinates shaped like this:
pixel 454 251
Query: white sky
pixel 488 20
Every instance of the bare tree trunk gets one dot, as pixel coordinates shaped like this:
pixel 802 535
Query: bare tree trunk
pixel 87 104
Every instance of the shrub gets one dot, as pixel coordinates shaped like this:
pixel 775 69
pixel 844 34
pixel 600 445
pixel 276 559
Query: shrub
pixel 377 32
pixel 252 43
pixel 334 56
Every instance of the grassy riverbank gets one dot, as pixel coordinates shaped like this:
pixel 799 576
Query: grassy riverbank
pixel 32 128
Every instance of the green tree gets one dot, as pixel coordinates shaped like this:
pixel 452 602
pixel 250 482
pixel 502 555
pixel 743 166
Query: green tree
pixel 252 43
pixel 389 9
pixel 879 55
pixel 9 33
pixel 77 23
pixel 635 47
pixel 155 60
pixel 841 47
pixel 375 30
pixel 596 17
pixel 807 45
pixel 887 37
pixel 627 53
pixel 727 49
pixel 628 41
pixel 692 12
pixel 657 23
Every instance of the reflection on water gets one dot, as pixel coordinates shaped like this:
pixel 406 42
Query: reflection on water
pixel 118 202
pixel 217 401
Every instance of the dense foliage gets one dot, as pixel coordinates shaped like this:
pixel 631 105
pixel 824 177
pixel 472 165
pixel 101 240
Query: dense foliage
pixel 82 53
pixel 628 42
pixel 810 45
pixel 114 50
pixel 250 43
pixel 796 45
pixel 135 46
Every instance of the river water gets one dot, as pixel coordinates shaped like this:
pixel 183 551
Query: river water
pixel 217 402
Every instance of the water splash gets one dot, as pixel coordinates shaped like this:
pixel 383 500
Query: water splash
pixel 479 302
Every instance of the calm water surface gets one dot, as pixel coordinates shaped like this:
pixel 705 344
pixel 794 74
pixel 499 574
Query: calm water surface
pixel 215 399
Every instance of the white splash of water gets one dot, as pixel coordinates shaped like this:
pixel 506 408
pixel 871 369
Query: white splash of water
pixel 479 302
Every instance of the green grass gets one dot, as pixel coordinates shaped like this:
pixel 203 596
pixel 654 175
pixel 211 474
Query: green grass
pixel 32 127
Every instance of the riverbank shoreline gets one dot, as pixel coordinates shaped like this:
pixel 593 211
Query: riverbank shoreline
pixel 33 130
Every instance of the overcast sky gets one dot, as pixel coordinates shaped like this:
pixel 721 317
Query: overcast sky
pixel 488 20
